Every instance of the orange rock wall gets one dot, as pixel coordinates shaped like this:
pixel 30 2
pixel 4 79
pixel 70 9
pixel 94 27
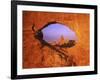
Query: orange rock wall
pixel 36 57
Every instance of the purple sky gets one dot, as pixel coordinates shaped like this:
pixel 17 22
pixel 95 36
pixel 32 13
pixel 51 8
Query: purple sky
pixel 54 32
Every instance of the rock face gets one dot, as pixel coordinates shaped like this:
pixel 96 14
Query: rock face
pixel 36 57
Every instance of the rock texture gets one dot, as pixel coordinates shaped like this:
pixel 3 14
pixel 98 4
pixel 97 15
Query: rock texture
pixel 36 57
